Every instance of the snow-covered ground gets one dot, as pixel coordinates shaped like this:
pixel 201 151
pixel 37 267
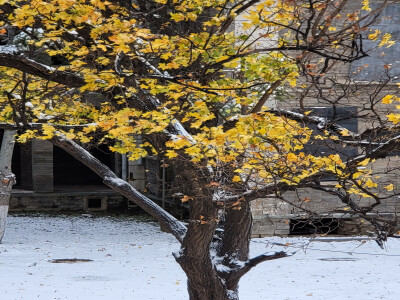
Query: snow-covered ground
pixel 131 259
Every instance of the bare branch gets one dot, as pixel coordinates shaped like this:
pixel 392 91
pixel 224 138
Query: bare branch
pixel 266 96
pixel 251 263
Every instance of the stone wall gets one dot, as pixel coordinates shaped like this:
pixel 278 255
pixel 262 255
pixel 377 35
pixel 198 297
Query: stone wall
pixel 272 216
pixel 66 202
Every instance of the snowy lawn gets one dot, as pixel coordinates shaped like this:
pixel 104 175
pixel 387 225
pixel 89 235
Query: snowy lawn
pixel 131 259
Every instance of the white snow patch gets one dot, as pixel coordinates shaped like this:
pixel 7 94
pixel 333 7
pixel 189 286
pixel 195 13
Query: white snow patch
pixel 116 181
pixel 48 68
pixel 43 116
pixel 238 263
pixel 8 49
pixel 73 32
pixel 232 295
pixel 132 260
pixel 222 268
pixel 16 96
pixel 218 195
pixel 154 69
pixel 29 104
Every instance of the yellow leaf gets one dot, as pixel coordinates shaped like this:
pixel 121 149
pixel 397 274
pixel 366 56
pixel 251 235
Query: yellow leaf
pixel 364 162
pixel 395 118
pixel 356 175
pixel 374 36
pixel 386 41
pixel 236 178
pixel 177 17
pixel 102 47
pixel 193 151
pixel 345 132
pixel 389 187
pixel 370 183
pixel 334 137
pixel 291 157
pixel 387 99
pixel 366 5
pixel 171 154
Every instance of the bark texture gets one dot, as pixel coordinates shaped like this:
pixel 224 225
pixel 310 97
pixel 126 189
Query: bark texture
pixel 194 257
pixel 235 243
pixel 7 178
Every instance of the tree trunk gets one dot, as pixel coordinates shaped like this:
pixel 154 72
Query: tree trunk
pixel 7 179
pixel 204 282
pixel 235 243
pixel 212 262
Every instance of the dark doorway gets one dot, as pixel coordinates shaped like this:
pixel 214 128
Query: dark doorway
pixel 69 171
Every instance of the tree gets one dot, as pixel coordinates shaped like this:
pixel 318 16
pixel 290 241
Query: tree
pixel 192 78
pixel 6 176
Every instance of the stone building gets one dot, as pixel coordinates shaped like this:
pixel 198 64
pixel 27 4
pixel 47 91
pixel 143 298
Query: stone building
pixel 364 77
pixel 48 178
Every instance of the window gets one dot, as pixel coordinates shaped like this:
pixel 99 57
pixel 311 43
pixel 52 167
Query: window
pixel 344 116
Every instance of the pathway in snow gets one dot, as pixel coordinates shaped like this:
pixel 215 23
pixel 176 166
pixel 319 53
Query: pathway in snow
pixel 132 260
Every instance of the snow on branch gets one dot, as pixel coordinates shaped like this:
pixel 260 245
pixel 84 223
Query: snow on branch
pixel 156 71
pixel 251 263
pixel 175 124
pixel 9 57
pixel 8 49
pixel 168 221
pixel 321 122
pixel 382 151
pixel 351 138
pixel 34 125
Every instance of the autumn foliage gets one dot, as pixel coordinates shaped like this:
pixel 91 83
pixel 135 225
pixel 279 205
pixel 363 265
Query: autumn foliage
pixel 195 79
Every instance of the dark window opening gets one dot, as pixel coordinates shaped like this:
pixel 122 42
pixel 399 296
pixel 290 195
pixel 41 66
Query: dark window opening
pixel 343 116
pixel 319 226
pixel 94 203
